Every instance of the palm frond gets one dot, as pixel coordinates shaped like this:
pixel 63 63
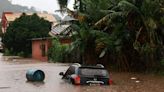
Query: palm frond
pixel 102 21
pixel 62 5
pixel 127 6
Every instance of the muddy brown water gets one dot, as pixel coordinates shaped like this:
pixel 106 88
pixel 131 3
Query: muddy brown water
pixel 13 71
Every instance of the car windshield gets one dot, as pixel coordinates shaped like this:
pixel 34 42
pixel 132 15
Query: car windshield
pixel 93 72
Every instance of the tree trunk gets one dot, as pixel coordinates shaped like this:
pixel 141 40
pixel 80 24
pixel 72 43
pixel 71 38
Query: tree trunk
pixel 90 56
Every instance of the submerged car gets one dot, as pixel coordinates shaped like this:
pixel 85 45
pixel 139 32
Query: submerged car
pixel 80 75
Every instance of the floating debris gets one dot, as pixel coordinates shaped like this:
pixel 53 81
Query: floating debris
pixel 138 81
pixel 133 78
pixel 35 75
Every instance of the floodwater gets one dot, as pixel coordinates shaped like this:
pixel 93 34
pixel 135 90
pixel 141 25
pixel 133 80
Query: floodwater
pixel 13 79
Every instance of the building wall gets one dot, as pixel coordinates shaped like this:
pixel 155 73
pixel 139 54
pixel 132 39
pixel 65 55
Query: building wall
pixel 65 40
pixel 4 21
pixel 37 49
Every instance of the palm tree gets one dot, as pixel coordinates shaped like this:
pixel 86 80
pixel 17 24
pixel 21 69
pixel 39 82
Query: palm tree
pixel 84 40
pixel 62 4
pixel 142 22
pixel 128 28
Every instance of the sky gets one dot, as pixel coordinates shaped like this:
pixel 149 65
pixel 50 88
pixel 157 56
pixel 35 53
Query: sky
pixel 43 5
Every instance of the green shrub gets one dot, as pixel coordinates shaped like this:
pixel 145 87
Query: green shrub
pixel 8 52
pixel 57 52
pixel 162 62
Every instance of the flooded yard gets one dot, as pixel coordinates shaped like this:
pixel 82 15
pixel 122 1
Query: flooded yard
pixel 13 79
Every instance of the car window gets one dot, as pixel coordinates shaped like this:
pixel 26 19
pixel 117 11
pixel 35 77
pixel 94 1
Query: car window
pixel 70 71
pixel 93 72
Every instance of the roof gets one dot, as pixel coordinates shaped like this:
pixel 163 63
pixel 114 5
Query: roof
pixel 68 18
pixel 58 29
pixel 44 38
pixel 12 16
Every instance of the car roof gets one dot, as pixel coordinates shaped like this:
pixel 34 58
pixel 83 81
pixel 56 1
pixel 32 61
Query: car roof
pixel 92 67
pixel 76 65
pixel 98 66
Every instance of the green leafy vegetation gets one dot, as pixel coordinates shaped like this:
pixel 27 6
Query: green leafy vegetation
pixel 126 34
pixel 58 51
pixel 0 30
pixel 18 37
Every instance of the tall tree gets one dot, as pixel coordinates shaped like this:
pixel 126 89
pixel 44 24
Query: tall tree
pixel 18 37
pixel 133 27
pixel 62 5
pixel 142 23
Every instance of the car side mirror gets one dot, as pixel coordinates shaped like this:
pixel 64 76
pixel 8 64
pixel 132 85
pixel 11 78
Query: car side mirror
pixel 61 74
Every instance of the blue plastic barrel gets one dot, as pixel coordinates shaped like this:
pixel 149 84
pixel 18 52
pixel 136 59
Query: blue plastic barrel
pixel 35 75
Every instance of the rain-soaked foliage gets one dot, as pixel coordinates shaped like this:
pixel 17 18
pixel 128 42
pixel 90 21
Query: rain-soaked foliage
pixel 130 33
